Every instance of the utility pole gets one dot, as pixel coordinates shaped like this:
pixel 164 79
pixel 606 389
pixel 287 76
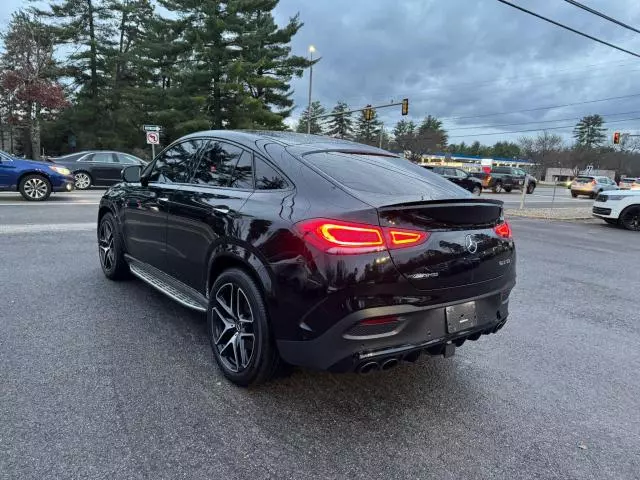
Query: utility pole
pixel 381 132
pixel 311 50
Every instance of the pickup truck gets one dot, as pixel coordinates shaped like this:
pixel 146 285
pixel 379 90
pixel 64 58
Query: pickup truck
pixel 505 179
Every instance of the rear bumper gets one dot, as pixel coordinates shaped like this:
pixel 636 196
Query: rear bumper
pixel 345 348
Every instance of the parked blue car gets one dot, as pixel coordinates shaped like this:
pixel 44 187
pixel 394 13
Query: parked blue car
pixel 34 180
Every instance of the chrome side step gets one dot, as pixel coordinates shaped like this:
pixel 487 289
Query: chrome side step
pixel 168 285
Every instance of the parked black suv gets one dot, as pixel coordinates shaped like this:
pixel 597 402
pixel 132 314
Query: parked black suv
pixel 320 252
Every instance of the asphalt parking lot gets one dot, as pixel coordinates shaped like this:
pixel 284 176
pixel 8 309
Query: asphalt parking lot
pixel 114 380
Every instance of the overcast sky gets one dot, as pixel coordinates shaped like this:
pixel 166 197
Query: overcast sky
pixel 462 58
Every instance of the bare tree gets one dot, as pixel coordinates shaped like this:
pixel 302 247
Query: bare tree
pixel 544 149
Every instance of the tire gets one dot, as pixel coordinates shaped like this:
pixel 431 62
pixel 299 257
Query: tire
pixel 497 187
pixel 239 332
pixel 574 195
pixel 508 189
pixel 531 188
pixel 630 218
pixel 83 180
pixel 110 249
pixel 477 190
pixel 35 188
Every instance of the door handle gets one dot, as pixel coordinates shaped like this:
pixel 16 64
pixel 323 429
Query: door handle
pixel 223 210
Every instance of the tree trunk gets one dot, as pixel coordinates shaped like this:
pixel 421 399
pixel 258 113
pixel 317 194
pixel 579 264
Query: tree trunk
pixel 35 135
pixel 93 60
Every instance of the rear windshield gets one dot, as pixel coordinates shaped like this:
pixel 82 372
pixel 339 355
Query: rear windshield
pixel 628 180
pixel 584 179
pixel 373 173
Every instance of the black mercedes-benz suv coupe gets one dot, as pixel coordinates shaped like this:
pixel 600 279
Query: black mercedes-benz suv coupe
pixel 310 251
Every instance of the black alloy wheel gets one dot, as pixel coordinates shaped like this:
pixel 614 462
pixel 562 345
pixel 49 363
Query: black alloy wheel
pixel 497 188
pixel 239 330
pixel 477 190
pixel 110 250
pixel 630 218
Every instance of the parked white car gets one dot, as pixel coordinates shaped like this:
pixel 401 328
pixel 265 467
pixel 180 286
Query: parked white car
pixel 621 207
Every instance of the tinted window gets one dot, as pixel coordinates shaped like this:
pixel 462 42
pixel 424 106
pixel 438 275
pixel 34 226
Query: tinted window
pixel 451 172
pixel 267 178
pixel 584 179
pixel 242 176
pixel 517 171
pixel 216 164
pixel 501 170
pixel 460 173
pixel 375 174
pixel 173 165
pixel 103 157
pixel 439 170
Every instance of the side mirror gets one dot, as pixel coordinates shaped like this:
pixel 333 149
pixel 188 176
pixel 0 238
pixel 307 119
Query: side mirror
pixel 131 174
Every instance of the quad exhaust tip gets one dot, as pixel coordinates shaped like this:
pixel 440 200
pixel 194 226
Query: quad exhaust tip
pixel 369 367
pixel 389 364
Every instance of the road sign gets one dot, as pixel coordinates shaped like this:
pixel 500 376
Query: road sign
pixel 153 138
pixel 151 128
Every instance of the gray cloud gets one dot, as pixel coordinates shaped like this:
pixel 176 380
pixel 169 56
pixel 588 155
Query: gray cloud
pixel 463 57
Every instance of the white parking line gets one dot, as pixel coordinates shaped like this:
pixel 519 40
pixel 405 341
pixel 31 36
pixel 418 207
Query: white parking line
pixel 47 227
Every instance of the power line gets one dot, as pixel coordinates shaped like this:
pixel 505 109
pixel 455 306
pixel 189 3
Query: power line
pixel 586 35
pixel 602 15
pixel 538 121
pixel 534 129
pixel 552 107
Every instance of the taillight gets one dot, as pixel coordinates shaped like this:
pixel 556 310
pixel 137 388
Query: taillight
pixel 338 237
pixel 503 230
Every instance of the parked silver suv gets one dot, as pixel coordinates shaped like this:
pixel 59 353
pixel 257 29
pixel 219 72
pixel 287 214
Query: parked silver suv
pixel 591 185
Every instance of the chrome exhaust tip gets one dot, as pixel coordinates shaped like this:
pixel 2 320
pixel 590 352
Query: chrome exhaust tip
pixel 368 367
pixel 389 364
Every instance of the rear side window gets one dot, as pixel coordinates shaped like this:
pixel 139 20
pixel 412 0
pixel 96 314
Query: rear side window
pixel 501 170
pixel 584 179
pixel 103 157
pixel 242 176
pixel 375 174
pixel 267 178
pixel 217 162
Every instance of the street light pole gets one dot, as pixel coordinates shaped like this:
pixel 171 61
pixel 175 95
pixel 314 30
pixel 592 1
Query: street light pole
pixel 311 50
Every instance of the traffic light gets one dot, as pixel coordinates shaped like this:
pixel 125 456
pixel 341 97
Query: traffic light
pixel 616 138
pixel 405 106
pixel 368 113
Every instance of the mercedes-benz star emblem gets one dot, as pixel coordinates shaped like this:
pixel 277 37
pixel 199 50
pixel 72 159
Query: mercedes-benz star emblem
pixel 471 244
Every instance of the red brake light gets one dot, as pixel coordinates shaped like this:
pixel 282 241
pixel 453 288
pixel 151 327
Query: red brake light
pixel 338 237
pixel 405 238
pixel 503 230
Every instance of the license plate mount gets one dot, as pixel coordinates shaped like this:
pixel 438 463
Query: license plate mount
pixel 461 317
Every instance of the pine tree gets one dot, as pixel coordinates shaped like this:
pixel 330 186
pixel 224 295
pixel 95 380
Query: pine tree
pixel 433 134
pixel 590 132
pixel 264 67
pixel 317 125
pixel 341 124
pixel 367 131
